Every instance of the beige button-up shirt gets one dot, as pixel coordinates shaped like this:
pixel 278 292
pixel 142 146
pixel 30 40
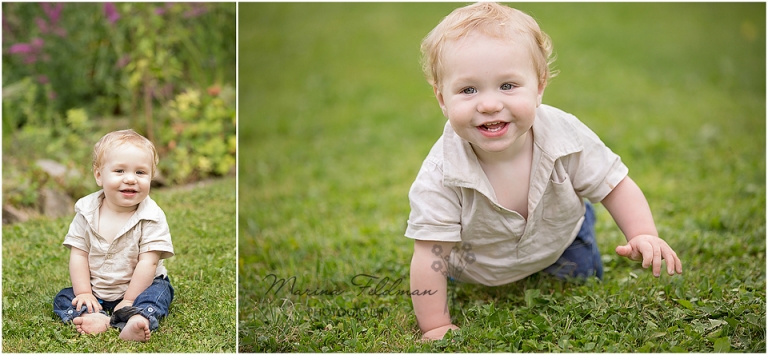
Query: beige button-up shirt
pixel 453 201
pixel 112 264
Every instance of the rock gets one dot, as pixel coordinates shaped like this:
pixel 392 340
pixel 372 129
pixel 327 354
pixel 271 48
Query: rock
pixel 13 215
pixel 56 170
pixel 55 204
pixel 159 180
pixel 51 167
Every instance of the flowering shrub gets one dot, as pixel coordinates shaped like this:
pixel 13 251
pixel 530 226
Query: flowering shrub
pixel 73 71
pixel 197 134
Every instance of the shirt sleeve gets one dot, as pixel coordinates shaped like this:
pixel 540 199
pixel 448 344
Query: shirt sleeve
pixel 596 170
pixel 156 236
pixel 76 235
pixel 435 209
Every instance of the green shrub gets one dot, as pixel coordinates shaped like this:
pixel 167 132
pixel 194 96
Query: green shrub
pixel 74 71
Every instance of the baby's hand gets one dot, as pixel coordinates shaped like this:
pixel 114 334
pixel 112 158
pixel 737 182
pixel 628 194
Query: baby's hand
pixel 650 250
pixel 87 299
pixel 438 333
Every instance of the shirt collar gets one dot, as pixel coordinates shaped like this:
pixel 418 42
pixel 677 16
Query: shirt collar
pixel 89 205
pixel 461 167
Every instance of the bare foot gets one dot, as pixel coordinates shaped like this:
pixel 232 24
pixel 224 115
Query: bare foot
pixel 136 329
pixel 91 323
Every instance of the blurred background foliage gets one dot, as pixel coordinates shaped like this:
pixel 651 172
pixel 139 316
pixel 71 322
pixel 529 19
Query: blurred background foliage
pixel 75 71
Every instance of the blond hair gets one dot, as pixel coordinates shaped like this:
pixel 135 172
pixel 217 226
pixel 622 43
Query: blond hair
pixel 493 20
pixel 118 138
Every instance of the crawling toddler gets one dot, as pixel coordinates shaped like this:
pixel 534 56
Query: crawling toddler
pixel 501 195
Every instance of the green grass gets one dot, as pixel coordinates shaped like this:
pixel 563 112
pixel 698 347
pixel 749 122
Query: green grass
pixel 202 315
pixel 335 120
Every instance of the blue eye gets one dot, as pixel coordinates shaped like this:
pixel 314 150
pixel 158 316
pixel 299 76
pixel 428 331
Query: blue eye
pixel 506 86
pixel 469 90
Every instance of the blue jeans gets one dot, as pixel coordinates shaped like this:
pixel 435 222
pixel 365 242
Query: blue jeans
pixel 582 258
pixel 153 304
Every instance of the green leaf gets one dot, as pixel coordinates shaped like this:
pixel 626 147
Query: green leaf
pixel 646 348
pixel 716 322
pixel 495 318
pixel 685 303
pixel 722 345
pixel 531 296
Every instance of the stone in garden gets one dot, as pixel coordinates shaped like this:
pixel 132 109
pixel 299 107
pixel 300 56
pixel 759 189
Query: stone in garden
pixel 55 204
pixel 52 168
pixel 13 215
pixel 56 170
pixel 159 180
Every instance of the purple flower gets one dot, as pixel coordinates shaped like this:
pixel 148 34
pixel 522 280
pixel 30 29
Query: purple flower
pixel 195 11
pixel 60 32
pixel 23 48
pixel 161 10
pixel 54 14
pixel 41 24
pixel 53 11
pixel 42 79
pixel 110 11
pixel 29 51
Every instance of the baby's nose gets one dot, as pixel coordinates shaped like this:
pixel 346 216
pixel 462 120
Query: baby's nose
pixel 489 104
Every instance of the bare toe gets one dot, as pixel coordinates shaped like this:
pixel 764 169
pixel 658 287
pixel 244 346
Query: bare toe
pixel 92 323
pixel 79 325
pixel 136 329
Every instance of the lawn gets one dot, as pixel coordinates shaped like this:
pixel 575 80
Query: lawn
pixel 202 315
pixel 335 119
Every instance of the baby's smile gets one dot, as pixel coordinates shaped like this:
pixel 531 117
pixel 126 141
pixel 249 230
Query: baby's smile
pixel 493 126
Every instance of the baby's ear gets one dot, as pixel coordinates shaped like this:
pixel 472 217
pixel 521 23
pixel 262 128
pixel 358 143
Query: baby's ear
pixel 540 95
pixel 440 100
pixel 97 176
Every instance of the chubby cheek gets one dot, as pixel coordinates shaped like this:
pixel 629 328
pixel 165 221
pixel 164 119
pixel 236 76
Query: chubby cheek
pixel 460 112
pixel 524 109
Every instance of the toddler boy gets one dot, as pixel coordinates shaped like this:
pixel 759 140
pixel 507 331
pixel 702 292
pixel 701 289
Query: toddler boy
pixel 500 195
pixel 117 242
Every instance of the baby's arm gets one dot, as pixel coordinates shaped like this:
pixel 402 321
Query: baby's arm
pixel 142 277
pixel 630 210
pixel 80 274
pixel 430 307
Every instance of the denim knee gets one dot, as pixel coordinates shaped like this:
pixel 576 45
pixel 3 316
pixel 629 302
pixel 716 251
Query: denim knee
pixel 582 258
pixel 154 303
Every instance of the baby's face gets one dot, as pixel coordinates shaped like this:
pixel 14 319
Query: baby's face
pixel 489 91
pixel 125 174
